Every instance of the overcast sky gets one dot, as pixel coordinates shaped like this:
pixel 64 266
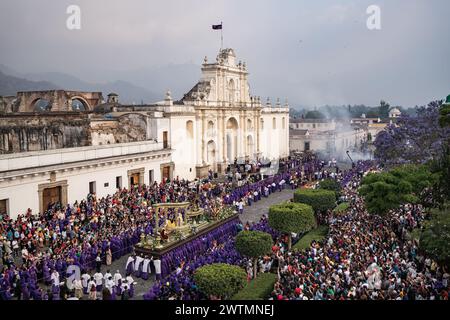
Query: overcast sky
pixel 312 52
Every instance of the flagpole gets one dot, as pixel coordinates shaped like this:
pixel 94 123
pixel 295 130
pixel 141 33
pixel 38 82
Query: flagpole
pixel 221 35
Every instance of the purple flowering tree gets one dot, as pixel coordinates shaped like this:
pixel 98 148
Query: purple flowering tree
pixel 415 139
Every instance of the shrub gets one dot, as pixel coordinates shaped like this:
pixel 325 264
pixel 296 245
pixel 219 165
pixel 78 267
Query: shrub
pixel 254 244
pixel 332 185
pixel 320 200
pixel 291 217
pixel 435 236
pixel 220 279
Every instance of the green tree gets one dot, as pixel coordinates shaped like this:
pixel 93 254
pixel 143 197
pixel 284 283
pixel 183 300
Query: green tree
pixel 320 200
pixel 435 237
pixel 384 109
pixel 444 113
pixel 291 218
pixel 387 190
pixel 220 280
pixel 254 244
pixel 332 185
pixel 314 115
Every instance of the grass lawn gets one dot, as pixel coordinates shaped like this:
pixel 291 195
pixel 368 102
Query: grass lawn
pixel 317 234
pixel 257 289
pixel 341 208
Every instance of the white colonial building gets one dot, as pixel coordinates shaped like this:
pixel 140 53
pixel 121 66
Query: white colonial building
pixel 60 153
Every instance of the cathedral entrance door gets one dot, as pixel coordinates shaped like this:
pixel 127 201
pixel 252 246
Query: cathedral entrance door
pixel 134 179
pixel 50 196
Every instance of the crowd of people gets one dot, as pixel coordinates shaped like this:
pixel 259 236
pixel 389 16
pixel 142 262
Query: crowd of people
pixel 179 285
pixel 101 230
pixel 364 257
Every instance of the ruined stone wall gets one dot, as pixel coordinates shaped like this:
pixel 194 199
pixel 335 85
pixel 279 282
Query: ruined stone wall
pixel 34 132
pixel 125 128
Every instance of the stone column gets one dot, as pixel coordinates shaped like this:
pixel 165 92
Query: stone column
pixel 198 138
pixel 204 126
pixel 224 137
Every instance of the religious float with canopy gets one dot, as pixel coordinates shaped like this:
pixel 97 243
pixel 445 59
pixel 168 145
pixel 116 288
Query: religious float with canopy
pixel 179 224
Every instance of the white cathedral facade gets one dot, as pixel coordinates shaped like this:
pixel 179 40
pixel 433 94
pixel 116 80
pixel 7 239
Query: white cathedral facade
pixel 218 122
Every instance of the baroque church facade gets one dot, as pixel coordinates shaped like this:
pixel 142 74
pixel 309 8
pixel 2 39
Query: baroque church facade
pixel 218 122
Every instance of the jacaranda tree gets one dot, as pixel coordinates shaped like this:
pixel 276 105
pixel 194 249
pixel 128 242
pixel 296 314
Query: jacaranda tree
pixel 413 139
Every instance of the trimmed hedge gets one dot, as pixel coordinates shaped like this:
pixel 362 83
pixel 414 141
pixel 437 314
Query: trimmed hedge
pixel 253 244
pixel 332 185
pixel 220 279
pixel 317 234
pixel 320 200
pixel 291 217
pixel 257 289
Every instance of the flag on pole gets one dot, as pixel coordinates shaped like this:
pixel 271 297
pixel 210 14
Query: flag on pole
pixel 217 26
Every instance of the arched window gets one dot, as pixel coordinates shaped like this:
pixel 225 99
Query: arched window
pixel 210 129
pixel 42 105
pixel 249 124
pixel 190 129
pixel 262 124
pixel 78 105
pixel 283 123
pixel 274 123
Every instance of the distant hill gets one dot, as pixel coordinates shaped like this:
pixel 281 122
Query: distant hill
pixel 10 85
pixel 12 81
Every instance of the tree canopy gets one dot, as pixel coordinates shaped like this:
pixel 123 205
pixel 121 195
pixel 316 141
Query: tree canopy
pixel 404 184
pixel 254 244
pixel 435 237
pixel 314 115
pixel 412 139
pixel 220 280
pixel 291 217
pixel 332 185
pixel 319 199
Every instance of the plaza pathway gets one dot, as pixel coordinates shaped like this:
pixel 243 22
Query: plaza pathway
pixel 254 212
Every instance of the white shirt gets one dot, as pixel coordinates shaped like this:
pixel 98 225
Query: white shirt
pixel 138 263
pixel 109 284
pixel 157 264
pixel 55 278
pixel 145 266
pixel 125 286
pixel 117 277
pixel 130 260
pixel 84 280
pixel 98 277
pixel 77 284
